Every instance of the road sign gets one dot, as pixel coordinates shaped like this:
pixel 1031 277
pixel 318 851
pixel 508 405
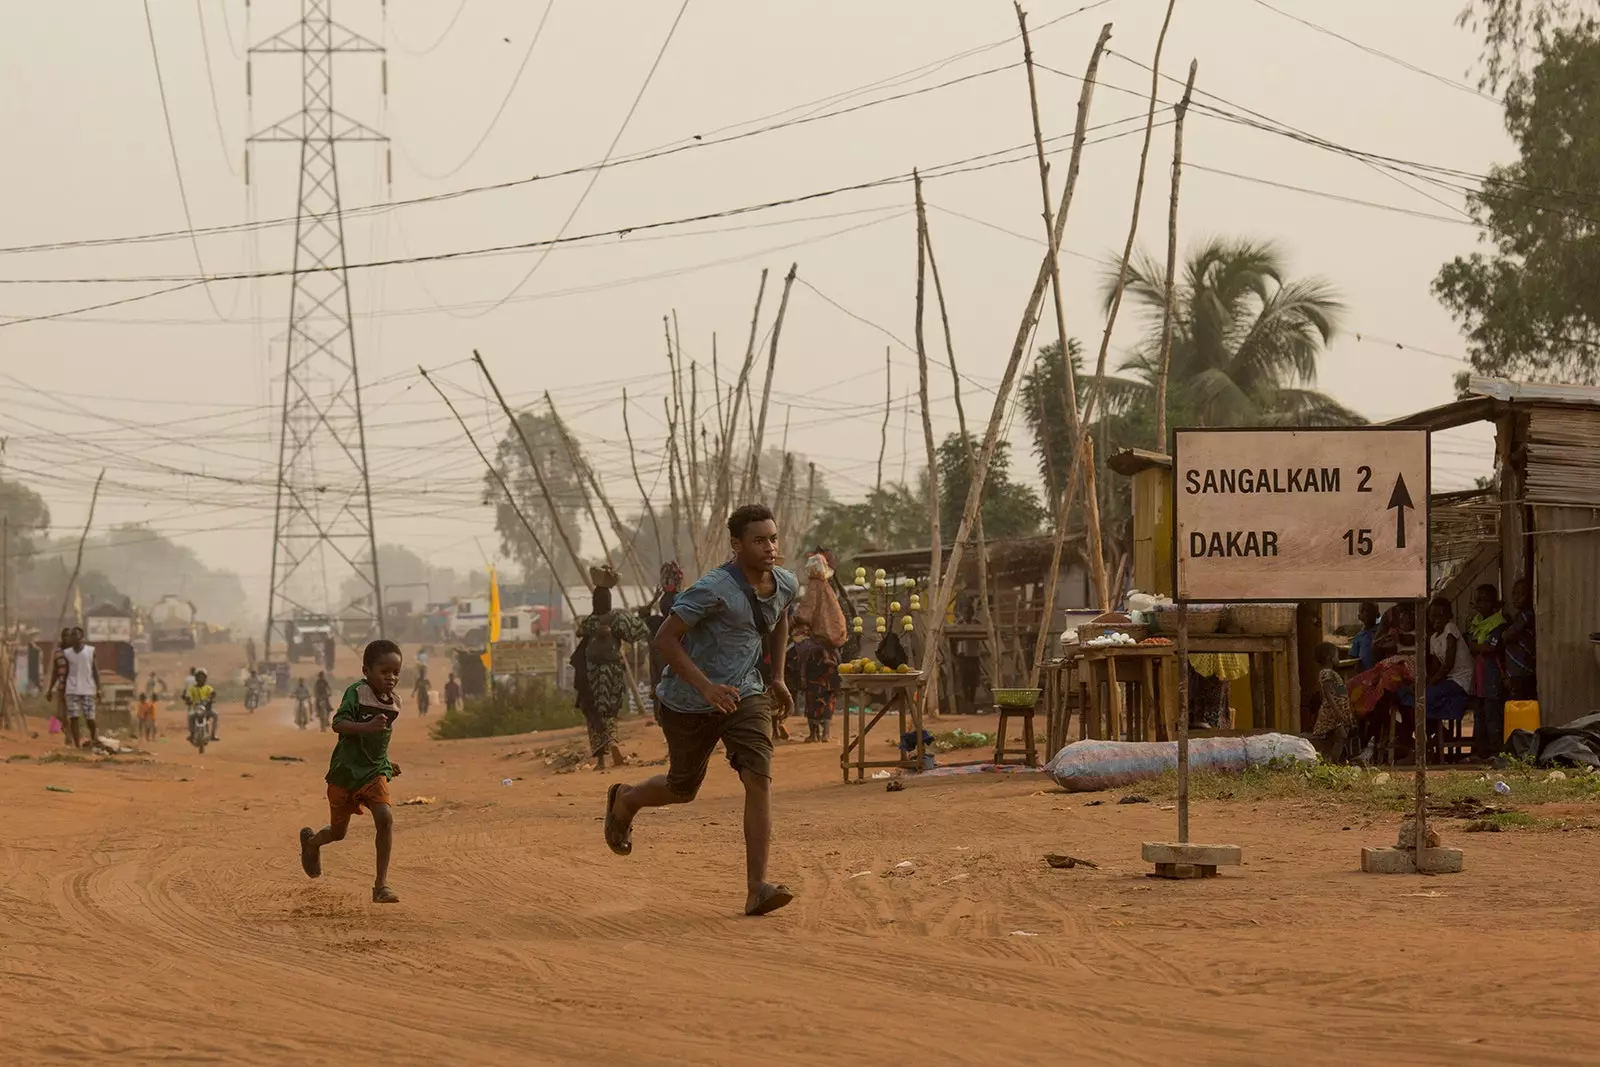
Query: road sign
pixel 1288 515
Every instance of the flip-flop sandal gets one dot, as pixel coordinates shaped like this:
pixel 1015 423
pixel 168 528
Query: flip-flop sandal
pixel 384 895
pixel 769 899
pixel 310 859
pixel 618 839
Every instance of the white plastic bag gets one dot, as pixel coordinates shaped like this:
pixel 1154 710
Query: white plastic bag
pixel 1087 766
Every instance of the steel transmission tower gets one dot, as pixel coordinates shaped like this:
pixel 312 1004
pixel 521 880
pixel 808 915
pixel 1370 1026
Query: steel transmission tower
pixel 323 529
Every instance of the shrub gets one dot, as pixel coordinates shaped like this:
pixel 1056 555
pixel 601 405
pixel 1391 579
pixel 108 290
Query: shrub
pixel 526 705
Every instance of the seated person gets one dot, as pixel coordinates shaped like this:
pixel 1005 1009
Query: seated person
pixel 1486 640
pixel 1449 664
pixel 1334 720
pixel 200 698
pixel 1361 646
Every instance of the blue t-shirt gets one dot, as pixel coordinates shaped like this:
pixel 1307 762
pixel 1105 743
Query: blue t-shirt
pixel 1361 648
pixel 722 638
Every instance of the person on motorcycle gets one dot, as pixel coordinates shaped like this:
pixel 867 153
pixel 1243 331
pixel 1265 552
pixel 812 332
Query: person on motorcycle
pixel 200 698
pixel 324 696
pixel 302 704
pixel 252 691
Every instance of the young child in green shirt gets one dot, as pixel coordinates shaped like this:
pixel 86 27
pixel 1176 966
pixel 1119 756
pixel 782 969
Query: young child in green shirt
pixel 359 772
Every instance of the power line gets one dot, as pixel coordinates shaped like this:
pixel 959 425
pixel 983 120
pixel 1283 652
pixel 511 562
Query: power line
pixel 449 26
pixel 1441 79
pixel 516 79
pixel 177 167
pixel 594 175
pixel 211 84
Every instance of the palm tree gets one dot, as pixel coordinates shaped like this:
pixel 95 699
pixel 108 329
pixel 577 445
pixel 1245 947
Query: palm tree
pixel 1245 339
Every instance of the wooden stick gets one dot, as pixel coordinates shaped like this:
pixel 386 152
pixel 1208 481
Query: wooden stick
pixel 1169 293
pixel 584 475
pixel 538 472
pixel 716 383
pixel 694 445
pixel 1097 563
pixel 511 498
pixel 753 485
pixel 725 470
pixel 674 499
pixel 1030 316
pixel 77 566
pixel 883 434
pixel 985 609
pixel 1419 687
pixel 811 493
pixel 1183 720
pixel 586 471
pixel 1133 229
pixel 633 460
pixel 936 552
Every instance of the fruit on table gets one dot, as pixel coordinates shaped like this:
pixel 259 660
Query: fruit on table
pixel 904 668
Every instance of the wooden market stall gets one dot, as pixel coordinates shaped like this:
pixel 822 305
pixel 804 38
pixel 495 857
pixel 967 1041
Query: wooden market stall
pixel 1018 570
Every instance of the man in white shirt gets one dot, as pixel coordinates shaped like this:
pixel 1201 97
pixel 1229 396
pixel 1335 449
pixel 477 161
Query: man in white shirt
pixel 83 687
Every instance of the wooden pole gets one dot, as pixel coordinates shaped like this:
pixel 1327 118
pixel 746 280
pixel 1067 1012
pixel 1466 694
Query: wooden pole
pixel 10 705
pixel 883 433
pixel 674 501
pixel 752 486
pixel 633 460
pixel 586 471
pixel 694 446
pixel 725 468
pixel 936 553
pixel 811 494
pixel 584 476
pixel 1419 687
pixel 1169 293
pixel 1133 229
pixel 538 471
pixel 77 566
pixel 1019 345
pixel 1091 510
pixel 1182 651
pixel 511 498
pixel 985 608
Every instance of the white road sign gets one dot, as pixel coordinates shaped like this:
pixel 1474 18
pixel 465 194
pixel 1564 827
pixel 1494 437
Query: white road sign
pixel 1285 515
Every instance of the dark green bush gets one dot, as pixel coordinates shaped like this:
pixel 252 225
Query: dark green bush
pixel 527 705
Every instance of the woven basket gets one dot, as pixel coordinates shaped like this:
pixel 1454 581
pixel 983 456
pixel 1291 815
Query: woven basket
pixel 1201 621
pixel 1016 698
pixel 1260 619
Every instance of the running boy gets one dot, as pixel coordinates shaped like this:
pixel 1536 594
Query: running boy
pixel 724 644
pixel 359 772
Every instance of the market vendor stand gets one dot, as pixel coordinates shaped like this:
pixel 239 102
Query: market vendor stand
pixel 882 695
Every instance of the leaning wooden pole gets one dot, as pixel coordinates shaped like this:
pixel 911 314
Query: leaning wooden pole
pixel 1030 318
pixel 811 496
pixel 538 471
pixel 752 486
pixel 625 543
pixel 724 487
pixel 930 683
pixel 633 461
pixel 1170 288
pixel 1115 303
pixel 985 607
pixel 511 499
pixel 77 565
pixel 1091 510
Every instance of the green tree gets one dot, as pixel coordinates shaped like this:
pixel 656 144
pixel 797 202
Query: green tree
pixel 1514 31
pixel 849 529
pixel 1009 508
pixel 1529 304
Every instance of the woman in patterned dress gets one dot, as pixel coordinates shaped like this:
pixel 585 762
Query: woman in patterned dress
pixel 606 631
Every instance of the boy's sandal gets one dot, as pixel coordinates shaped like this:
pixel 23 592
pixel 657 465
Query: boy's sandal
pixel 310 858
pixel 384 895
pixel 619 839
pixel 769 898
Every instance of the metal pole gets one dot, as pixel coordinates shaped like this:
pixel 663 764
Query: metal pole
pixel 1183 721
pixel 1420 689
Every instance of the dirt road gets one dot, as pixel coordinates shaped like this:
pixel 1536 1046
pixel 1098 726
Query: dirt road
pixel 157 913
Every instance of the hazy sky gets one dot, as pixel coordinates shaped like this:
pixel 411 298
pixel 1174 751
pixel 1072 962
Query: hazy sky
pixel 164 386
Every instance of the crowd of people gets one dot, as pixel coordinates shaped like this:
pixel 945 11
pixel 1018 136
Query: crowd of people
pixel 1476 669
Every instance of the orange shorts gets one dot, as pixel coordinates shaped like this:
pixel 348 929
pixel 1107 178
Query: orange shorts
pixel 343 803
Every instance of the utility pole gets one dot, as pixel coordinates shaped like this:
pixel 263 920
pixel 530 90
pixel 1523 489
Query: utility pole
pixel 323 527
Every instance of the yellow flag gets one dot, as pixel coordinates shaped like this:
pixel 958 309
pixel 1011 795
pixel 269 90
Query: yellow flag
pixel 494 619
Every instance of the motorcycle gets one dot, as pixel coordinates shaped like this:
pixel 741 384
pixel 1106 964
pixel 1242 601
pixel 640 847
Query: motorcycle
pixel 302 712
pixel 252 696
pixel 324 713
pixel 199 726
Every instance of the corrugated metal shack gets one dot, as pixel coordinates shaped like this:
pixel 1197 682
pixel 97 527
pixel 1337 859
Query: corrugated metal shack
pixel 1541 522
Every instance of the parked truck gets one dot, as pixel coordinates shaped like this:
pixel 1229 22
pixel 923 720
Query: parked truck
pixel 172 623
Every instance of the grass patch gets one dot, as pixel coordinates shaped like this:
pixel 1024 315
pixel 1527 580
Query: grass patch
pixel 532 704
pixel 1462 794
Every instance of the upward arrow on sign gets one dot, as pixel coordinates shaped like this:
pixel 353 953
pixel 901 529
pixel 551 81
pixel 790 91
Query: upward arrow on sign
pixel 1399 500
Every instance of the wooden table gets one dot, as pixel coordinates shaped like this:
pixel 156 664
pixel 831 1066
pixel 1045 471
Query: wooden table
pixel 881 694
pixel 1152 672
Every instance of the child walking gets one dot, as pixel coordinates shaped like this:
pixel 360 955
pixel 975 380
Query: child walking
pixel 147 717
pixel 359 772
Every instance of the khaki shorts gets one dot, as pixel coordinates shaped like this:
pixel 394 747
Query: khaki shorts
pixel 692 737
pixel 343 803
